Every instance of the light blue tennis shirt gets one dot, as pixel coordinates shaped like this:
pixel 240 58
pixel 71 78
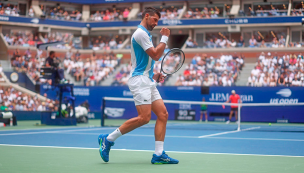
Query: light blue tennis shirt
pixel 142 63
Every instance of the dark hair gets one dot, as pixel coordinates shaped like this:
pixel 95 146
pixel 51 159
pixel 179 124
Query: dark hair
pixel 51 53
pixel 151 11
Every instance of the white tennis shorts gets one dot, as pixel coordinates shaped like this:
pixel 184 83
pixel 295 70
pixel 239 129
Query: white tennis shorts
pixel 143 89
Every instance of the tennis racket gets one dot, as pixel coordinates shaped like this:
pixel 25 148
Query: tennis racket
pixel 172 62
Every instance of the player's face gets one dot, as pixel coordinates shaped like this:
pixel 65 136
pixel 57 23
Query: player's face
pixel 152 21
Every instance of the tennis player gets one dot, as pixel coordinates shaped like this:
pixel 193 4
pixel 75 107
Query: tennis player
pixel 143 87
pixel 233 98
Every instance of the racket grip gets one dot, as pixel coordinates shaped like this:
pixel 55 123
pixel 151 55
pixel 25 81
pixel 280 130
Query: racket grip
pixel 158 79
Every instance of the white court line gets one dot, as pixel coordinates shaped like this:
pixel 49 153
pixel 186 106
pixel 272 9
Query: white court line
pixel 195 137
pixel 57 131
pixel 222 133
pixel 260 139
pixel 183 152
pixel 132 135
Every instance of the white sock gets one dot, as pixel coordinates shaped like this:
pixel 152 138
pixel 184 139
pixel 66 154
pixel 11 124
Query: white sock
pixel 114 135
pixel 159 147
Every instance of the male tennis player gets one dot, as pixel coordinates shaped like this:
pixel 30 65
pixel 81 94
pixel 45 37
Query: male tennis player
pixel 143 87
pixel 234 98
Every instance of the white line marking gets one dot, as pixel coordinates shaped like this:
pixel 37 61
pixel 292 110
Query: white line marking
pixel 57 131
pixel 195 137
pixel 222 133
pixel 257 139
pixel 183 152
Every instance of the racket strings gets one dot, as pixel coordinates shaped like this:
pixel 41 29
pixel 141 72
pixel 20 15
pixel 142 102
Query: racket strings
pixel 172 61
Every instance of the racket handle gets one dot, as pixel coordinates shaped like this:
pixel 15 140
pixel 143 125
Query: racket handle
pixel 158 78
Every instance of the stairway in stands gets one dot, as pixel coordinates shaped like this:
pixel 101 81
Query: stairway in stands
pixel 110 79
pixel 6 66
pixel 245 73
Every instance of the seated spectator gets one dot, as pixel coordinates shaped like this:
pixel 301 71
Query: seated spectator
pixel 189 43
pixel 282 40
pixel 210 44
pixel 241 42
pixel 119 45
pixel 252 42
pixel 263 44
pixel 233 43
pixel 113 44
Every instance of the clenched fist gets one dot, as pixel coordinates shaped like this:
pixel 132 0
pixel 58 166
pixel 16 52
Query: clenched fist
pixel 165 32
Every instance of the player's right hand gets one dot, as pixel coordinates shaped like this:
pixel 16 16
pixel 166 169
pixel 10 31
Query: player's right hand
pixel 165 32
pixel 223 106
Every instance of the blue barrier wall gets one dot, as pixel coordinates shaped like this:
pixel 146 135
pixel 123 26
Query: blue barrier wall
pixel 36 115
pixel 277 95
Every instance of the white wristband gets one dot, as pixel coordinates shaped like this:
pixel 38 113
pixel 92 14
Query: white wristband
pixel 164 39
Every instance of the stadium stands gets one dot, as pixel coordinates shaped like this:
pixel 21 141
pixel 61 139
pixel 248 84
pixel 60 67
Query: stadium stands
pixel 22 38
pixel 205 12
pixel 271 39
pixel 110 14
pixel 92 70
pixel 60 13
pixel 13 100
pixel 278 70
pixel 211 71
pixel 106 42
pixel 265 9
pixel 9 9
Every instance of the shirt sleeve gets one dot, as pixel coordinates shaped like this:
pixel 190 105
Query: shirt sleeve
pixel 143 39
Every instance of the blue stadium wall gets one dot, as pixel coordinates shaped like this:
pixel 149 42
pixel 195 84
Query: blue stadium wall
pixel 279 95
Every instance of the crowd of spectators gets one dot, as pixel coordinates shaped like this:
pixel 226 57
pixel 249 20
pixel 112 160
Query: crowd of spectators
pixel 28 63
pixel 298 9
pixel 215 42
pixel 265 10
pixel 259 42
pixel 13 100
pixel 64 37
pixel 278 70
pixel 106 43
pixel 296 44
pixel 122 77
pixel 9 9
pixel 254 42
pixel 22 38
pixel 92 70
pixel 205 12
pixel 211 71
pixel 59 13
pixel 110 15
pixel 170 13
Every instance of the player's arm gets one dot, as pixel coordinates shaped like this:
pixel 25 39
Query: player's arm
pixel 228 100
pixel 156 52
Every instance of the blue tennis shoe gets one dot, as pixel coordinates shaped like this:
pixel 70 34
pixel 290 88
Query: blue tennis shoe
pixel 163 159
pixel 104 147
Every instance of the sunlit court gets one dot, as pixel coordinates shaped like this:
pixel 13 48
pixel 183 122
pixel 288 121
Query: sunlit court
pixel 136 86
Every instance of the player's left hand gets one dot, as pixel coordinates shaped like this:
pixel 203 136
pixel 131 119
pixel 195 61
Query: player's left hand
pixel 159 77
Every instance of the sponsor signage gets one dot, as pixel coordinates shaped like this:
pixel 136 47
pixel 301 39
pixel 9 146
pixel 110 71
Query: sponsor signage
pixel 114 112
pixel 185 115
pixel 285 93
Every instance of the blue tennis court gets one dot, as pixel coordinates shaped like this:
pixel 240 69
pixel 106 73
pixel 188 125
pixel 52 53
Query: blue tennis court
pixel 179 141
